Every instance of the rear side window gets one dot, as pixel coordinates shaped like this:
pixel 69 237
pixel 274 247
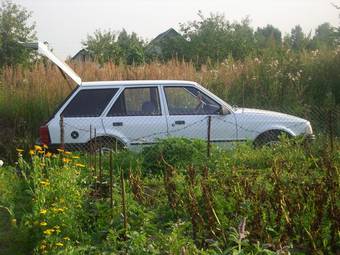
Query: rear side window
pixel 137 102
pixel 89 103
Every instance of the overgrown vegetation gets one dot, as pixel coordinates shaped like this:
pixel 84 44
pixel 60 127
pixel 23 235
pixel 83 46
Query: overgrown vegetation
pixel 243 201
pixel 303 84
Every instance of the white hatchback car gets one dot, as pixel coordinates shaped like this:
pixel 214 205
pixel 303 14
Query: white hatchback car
pixel 135 113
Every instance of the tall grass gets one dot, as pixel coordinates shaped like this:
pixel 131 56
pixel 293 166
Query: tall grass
pixel 298 83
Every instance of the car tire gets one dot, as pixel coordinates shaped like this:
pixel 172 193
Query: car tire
pixel 269 138
pixel 104 144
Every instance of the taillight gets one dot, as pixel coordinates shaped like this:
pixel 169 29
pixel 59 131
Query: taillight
pixel 44 135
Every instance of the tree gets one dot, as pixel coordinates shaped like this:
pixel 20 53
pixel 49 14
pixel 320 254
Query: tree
pixel 102 46
pixel 121 47
pixel 268 37
pixel 15 28
pixel 215 38
pixel 325 36
pixel 297 40
pixel 131 48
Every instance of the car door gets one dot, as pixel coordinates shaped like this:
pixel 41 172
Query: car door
pixel 81 115
pixel 136 116
pixel 188 109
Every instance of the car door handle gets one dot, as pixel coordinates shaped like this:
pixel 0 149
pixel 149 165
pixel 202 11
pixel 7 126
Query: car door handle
pixel 117 124
pixel 179 122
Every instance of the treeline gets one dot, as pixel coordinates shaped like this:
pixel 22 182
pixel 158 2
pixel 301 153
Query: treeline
pixel 211 39
pixel 208 39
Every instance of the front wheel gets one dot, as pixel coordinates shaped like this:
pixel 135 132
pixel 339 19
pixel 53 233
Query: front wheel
pixel 269 138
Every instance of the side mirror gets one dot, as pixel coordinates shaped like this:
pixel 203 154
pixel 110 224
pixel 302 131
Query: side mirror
pixel 224 110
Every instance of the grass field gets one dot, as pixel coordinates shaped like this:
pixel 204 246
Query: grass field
pixel 172 199
pixel 305 84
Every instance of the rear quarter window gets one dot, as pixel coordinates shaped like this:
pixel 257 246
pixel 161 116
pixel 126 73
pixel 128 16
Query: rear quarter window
pixel 89 103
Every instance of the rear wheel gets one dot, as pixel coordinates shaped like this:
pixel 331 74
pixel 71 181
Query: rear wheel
pixel 104 144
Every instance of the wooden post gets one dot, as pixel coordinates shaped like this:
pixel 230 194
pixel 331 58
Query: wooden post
pixel 209 137
pixel 111 180
pixel 331 130
pixel 90 149
pixel 122 182
pixel 62 132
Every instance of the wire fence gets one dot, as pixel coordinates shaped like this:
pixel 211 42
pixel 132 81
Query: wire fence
pixel 240 125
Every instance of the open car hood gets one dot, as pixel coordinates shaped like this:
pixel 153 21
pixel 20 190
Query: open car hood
pixel 43 49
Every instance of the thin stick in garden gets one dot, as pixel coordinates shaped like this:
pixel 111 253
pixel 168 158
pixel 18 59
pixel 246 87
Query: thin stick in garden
pixel 209 138
pixel 111 180
pixel 95 152
pixel 331 130
pixel 123 194
pixel 90 149
pixel 62 133
pixel 100 167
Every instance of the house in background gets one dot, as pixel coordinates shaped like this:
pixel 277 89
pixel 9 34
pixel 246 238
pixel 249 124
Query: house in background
pixel 165 45
pixel 164 42
pixel 82 56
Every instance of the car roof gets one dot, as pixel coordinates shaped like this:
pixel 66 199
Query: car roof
pixel 137 82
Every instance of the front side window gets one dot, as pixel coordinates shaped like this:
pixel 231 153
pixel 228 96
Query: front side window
pixel 137 102
pixel 189 101
pixel 89 103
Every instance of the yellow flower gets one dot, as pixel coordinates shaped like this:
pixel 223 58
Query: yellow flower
pixel 48 154
pixel 31 152
pixel 20 150
pixel 66 238
pixel 60 210
pixel 43 211
pixel 14 221
pixel 66 160
pixel 48 232
pixel 68 153
pixel 43 224
pixel 80 165
pixel 60 150
pixel 59 244
pixel 44 183
pixel 41 152
pixel 37 148
pixel 75 157
pixel 45 146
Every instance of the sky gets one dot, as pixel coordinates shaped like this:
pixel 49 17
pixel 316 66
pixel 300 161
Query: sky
pixel 66 23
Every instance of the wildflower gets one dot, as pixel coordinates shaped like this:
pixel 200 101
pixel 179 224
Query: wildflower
pixel 60 150
pixel 41 152
pixel 44 183
pixel 19 150
pixel 1 163
pixel 45 146
pixel 60 210
pixel 14 221
pixel 59 244
pixel 66 238
pixel 68 153
pixel 37 148
pixel 48 154
pixel 66 160
pixel 75 157
pixel 48 232
pixel 43 224
pixel 31 152
pixel 43 211
pixel 42 247
pixel 80 165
